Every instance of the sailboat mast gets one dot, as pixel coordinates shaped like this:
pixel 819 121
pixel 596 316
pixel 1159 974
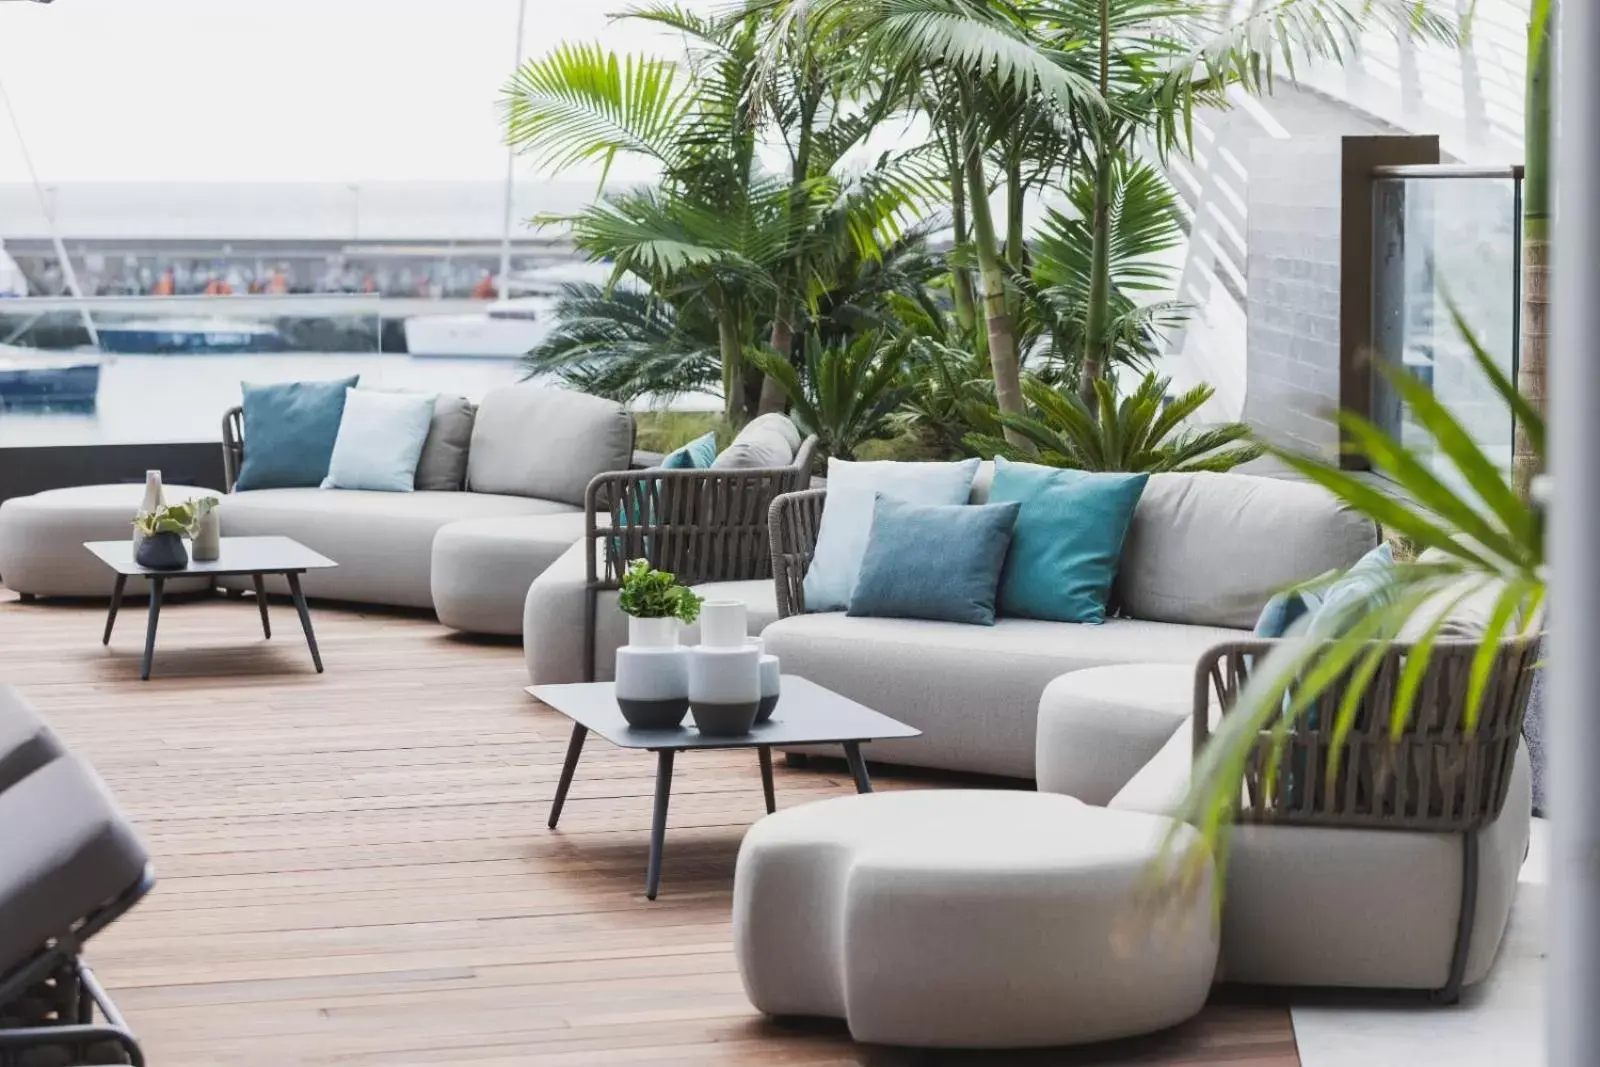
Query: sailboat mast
pixel 67 272
pixel 511 175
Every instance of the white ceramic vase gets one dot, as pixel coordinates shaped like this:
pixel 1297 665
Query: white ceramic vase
pixel 207 543
pixel 724 623
pixel 652 676
pixel 725 688
pixel 153 499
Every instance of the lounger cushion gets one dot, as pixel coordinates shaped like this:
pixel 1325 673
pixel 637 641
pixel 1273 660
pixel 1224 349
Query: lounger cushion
pixel 770 440
pixel 65 851
pixel 535 441
pixel 382 542
pixel 482 567
pixel 26 743
pixel 443 464
pixel 1211 549
pixel 973 691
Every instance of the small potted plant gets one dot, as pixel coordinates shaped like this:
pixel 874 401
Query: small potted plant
pixel 652 674
pixel 161 547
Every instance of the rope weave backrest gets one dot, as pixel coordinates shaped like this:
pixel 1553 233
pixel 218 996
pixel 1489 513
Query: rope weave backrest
pixel 1436 775
pixel 793 525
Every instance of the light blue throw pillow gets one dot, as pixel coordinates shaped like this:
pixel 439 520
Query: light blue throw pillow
pixel 1364 584
pixel 934 561
pixel 1284 610
pixel 697 455
pixel 846 523
pixel 289 431
pixel 380 441
pixel 1068 539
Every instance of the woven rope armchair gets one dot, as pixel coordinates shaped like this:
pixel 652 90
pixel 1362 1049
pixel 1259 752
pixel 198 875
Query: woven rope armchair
pixel 792 528
pixel 232 446
pixel 1436 777
pixel 701 525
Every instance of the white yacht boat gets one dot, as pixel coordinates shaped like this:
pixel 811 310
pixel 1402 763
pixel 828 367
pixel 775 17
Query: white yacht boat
pixel 505 329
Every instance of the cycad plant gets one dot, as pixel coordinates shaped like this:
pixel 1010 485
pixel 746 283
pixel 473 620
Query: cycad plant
pixel 844 394
pixel 1474 536
pixel 1142 431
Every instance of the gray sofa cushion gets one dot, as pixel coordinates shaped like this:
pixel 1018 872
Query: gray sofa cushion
pixel 972 690
pixel 382 542
pixel 534 441
pixel 26 743
pixel 482 567
pixel 768 441
pixel 1210 549
pixel 443 464
pixel 65 851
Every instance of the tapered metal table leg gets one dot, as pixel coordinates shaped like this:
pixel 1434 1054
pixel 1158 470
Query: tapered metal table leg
pixel 574 750
pixel 157 585
pixel 858 767
pixel 765 752
pixel 260 583
pixel 305 618
pixel 658 826
pixel 116 606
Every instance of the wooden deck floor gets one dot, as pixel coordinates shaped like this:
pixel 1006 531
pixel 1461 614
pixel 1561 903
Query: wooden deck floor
pixel 354 867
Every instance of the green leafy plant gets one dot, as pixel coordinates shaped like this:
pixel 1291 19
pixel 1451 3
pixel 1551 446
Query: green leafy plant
pixel 167 519
pixel 845 395
pixel 1474 535
pixel 1141 432
pixel 651 594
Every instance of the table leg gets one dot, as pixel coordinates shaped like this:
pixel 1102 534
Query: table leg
pixel 858 766
pixel 765 752
pixel 260 583
pixel 116 606
pixel 305 617
pixel 658 826
pixel 574 750
pixel 156 587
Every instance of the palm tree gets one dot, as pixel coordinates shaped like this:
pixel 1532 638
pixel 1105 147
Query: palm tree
pixel 1533 354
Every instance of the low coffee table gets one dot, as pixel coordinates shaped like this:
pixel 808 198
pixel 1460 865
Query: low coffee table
pixel 807 714
pixel 255 556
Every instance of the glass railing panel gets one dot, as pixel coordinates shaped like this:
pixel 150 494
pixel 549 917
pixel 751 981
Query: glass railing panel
pixel 1448 238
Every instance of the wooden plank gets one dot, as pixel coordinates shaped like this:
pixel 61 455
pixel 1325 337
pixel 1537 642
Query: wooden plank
pixel 354 867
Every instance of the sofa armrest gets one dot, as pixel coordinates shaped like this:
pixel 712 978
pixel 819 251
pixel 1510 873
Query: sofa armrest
pixel 793 524
pixel 232 446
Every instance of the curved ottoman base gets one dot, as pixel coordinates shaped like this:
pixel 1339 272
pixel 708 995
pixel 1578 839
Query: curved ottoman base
pixel 42 536
pixel 967 919
pixel 482 568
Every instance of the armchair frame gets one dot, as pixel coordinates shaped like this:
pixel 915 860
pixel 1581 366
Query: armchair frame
pixel 701 525
pixel 792 526
pixel 1435 777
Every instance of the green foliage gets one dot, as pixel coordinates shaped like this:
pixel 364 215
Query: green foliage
pixel 663 431
pixel 174 519
pixel 1141 432
pixel 651 594
pixel 1474 536
pixel 845 394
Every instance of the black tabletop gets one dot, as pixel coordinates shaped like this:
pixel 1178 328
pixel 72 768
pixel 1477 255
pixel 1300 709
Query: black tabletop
pixel 239 555
pixel 807 714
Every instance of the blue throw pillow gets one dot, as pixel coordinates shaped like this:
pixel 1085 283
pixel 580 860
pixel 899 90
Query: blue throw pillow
pixel 697 455
pixel 1068 539
pixel 380 441
pixel 1364 584
pixel 934 561
pixel 847 517
pixel 289 431
pixel 1284 610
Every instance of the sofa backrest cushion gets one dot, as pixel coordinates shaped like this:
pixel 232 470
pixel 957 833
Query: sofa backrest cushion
pixel 1210 549
pixel 536 441
pixel 443 465
pixel 769 440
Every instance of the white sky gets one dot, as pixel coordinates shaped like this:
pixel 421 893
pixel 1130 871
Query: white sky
pixel 277 90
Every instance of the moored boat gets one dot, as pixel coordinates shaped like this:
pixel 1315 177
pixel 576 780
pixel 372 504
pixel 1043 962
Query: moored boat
pixel 175 336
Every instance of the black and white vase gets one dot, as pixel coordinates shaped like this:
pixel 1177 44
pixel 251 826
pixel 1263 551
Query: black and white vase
pixel 652 683
pixel 724 672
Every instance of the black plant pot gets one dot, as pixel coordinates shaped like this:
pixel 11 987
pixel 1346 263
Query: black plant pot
pixel 162 552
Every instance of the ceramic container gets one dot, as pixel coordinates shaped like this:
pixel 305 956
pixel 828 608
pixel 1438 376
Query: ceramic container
pixel 725 688
pixel 723 624
pixel 162 552
pixel 207 544
pixel 653 686
pixel 769 687
pixel 653 633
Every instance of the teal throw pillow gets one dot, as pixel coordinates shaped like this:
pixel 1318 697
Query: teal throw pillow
pixel 1365 585
pixel 933 561
pixel 380 441
pixel 289 432
pixel 697 455
pixel 1067 542
pixel 1284 610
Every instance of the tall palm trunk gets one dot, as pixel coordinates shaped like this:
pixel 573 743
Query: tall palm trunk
pixel 1535 345
pixel 773 397
pixel 1003 359
pixel 732 353
pixel 1096 349
pixel 961 279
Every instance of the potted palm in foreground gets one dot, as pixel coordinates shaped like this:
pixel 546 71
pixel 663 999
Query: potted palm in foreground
pixel 1472 536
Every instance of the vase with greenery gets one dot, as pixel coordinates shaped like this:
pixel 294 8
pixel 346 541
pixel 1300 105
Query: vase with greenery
pixel 206 534
pixel 162 531
pixel 652 677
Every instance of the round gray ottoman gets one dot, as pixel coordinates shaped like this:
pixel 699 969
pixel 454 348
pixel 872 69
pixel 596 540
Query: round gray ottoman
pixel 482 568
pixel 968 919
pixel 42 536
